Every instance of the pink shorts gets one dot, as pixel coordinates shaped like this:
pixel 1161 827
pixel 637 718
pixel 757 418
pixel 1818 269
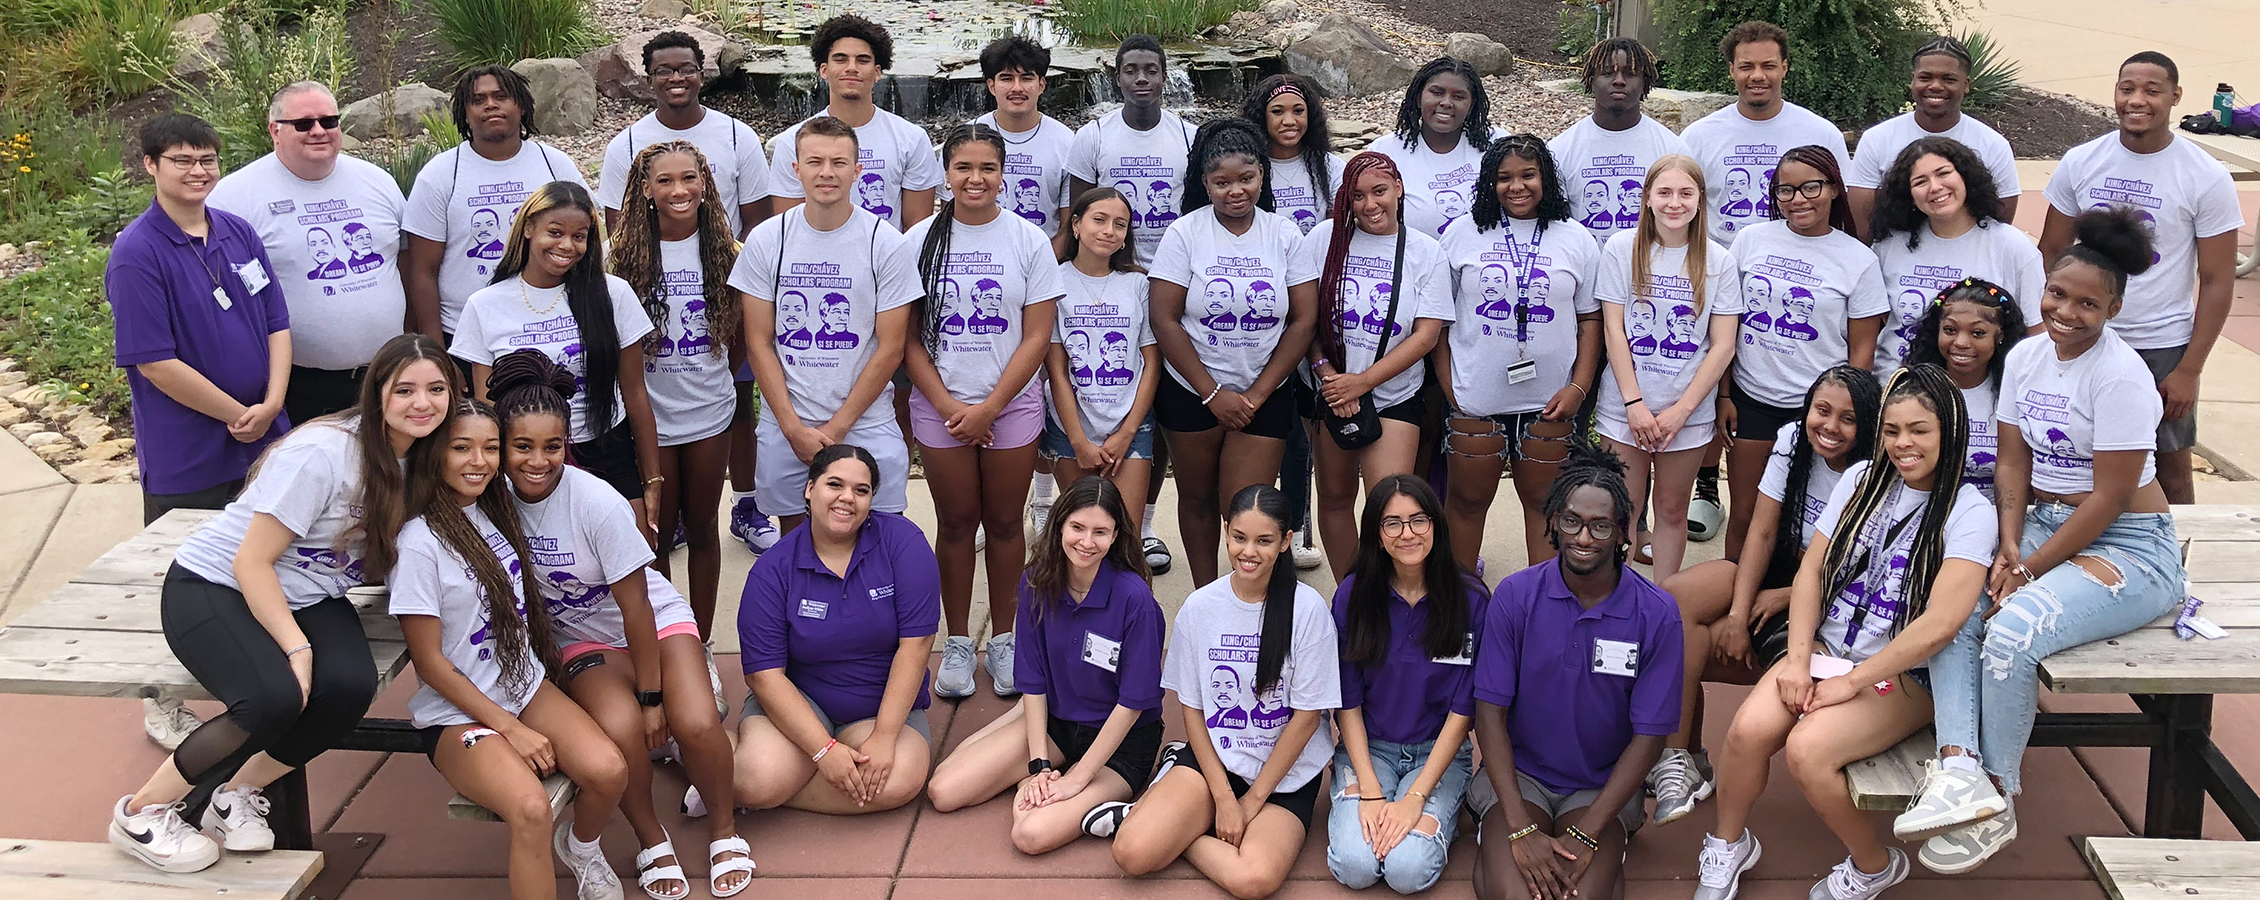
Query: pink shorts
pixel 578 649
pixel 1021 423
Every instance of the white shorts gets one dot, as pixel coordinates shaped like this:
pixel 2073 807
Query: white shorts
pixel 1690 436
pixel 779 476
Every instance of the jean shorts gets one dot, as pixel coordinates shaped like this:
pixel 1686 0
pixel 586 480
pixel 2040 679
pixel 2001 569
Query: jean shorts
pixel 1056 446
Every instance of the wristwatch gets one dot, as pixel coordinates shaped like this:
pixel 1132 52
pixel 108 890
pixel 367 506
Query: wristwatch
pixel 1039 764
pixel 649 698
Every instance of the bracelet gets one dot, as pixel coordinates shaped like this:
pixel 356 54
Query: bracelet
pixel 1582 837
pixel 294 651
pixel 828 745
pixel 1580 388
pixel 1212 394
pixel 1523 832
pixel 1370 799
pixel 655 479
pixel 2027 573
pixel 1628 403
pixel 1423 795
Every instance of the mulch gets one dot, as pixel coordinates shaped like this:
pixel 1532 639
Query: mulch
pixel 1528 27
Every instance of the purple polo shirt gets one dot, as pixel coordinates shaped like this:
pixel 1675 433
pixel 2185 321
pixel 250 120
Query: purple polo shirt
pixel 159 284
pixel 1538 656
pixel 835 637
pixel 1089 657
pixel 1405 697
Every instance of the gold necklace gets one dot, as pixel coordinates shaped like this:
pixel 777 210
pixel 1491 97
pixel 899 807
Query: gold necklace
pixel 527 299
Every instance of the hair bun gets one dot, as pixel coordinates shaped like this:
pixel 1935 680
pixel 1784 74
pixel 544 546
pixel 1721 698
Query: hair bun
pixel 2117 234
pixel 528 368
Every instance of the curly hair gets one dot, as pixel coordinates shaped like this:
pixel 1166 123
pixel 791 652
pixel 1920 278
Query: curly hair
pixel 1476 128
pixel 636 253
pixel 1553 203
pixel 2008 323
pixel 1229 136
pixel 1598 63
pixel 1314 144
pixel 852 26
pixel 1895 210
pixel 1592 466
pixel 2112 239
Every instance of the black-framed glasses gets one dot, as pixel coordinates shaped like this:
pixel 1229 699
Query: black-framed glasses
pixel 1569 525
pixel 1811 189
pixel 1396 527
pixel 306 124
pixel 672 71
pixel 193 163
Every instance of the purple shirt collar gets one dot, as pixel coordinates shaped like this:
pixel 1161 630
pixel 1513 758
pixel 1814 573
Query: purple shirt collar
pixel 1619 604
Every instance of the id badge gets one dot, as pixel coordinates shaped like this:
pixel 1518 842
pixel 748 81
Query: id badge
pixel 1616 657
pixel 1522 370
pixel 254 276
pixel 1101 651
pixel 1466 657
pixel 220 295
pixel 814 609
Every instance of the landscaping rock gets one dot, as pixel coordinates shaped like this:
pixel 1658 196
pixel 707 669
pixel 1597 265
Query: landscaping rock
pixel 1247 23
pixel 22 430
pixel 44 438
pixel 1679 109
pixel 1489 57
pixel 56 452
pixel 618 68
pixel 88 437
pixel 1350 135
pixel 395 113
pixel 564 95
pixel 1280 12
pixel 663 9
pixel 11 414
pixel 105 450
pixel 1348 59
pixel 196 40
pixel 13 381
pixel 36 397
pixel 99 471
pixel 9 253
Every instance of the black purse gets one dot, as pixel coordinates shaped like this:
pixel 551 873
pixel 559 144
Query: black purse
pixel 1356 432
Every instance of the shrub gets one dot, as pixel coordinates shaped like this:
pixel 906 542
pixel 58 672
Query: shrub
pixel 1848 59
pixel 49 154
pixel 506 31
pixel 1112 20
pixel 56 319
pixel 110 201
pixel 262 57
pixel 404 159
pixel 1993 75
pixel 1582 26
pixel 75 50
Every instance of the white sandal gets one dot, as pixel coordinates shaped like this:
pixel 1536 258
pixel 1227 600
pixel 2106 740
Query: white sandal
pixel 716 868
pixel 647 874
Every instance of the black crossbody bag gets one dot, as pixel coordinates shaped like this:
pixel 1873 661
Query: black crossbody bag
pixel 1356 432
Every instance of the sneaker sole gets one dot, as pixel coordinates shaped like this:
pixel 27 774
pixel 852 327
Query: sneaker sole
pixel 1757 851
pixel 1934 827
pixel 175 864
pixel 228 839
pixel 1966 866
pixel 1702 792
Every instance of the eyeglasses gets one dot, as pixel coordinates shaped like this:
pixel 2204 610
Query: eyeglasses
pixel 193 163
pixel 1811 189
pixel 1395 527
pixel 328 123
pixel 1569 525
pixel 671 71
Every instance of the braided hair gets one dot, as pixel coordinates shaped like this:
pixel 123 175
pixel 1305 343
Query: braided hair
pixel 1278 631
pixel 1344 229
pixel 2008 323
pixel 1848 556
pixel 1867 416
pixel 1216 140
pixel 1895 210
pixel 636 252
pixel 1823 161
pixel 587 295
pixel 523 644
pixel 935 251
pixel 2111 239
pixel 1945 45
pixel 1553 203
pixel 527 382
pixel 1475 129
pixel 1599 63
pixel 1313 145
pixel 1592 466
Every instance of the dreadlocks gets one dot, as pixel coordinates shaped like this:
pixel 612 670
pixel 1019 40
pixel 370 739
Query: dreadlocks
pixel 1221 138
pixel 1592 466
pixel 1553 203
pixel 636 253
pixel 1861 533
pixel 1601 62
pixel 1475 128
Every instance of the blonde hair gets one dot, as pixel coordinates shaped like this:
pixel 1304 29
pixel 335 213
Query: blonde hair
pixel 1647 236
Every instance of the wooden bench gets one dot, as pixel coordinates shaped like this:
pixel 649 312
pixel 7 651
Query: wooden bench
pixel 561 793
pixel 2154 869
pixel 41 870
pixel 1888 781
pixel 2242 155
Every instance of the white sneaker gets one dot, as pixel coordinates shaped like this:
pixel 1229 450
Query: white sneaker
pixel 157 836
pixel 1168 761
pixel 240 816
pixel 694 806
pixel 714 683
pixel 1969 846
pixel 980 538
pixel 1679 780
pixel 1718 872
pixel 1157 554
pixel 1306 555
pixel 168 722
pixel 1104 819
pixel 1950 799
pixel 1000 665
pixel 596 880
pixel 1847 882
pixel 955 680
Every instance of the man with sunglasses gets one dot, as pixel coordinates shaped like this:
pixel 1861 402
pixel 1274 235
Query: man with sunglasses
pixel 675 68
pixel 300 198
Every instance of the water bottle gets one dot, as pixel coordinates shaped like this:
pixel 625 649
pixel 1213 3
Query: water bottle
pixel 2224 103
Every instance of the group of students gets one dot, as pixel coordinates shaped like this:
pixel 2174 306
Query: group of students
pixel 1227 297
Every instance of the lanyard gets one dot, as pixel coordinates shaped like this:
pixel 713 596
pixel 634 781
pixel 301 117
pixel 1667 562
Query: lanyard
pixel 1524 264
pixel 219 288
pixel 1875 574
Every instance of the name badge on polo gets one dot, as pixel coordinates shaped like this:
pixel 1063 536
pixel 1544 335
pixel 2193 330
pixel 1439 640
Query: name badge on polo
pixel 814 609
pixel 1616 657
pixel 1101 651
pixel 254 276
pixel 1466 657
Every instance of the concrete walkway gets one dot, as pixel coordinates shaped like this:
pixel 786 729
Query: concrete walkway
pixel 2075 46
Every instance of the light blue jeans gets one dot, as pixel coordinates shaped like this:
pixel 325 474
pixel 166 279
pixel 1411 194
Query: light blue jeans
pixel 1418 860
pixel 1986 682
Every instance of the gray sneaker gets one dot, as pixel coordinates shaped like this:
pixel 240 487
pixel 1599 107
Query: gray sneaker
pixel 1968 847
pixel 1718 872
pixel 1679 780
pixel 1000 665
pixel 955 680
pixel 1847 882
pixel 1949 800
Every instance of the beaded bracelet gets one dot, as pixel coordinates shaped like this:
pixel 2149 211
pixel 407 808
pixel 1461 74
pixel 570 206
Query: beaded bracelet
pixel 1523 832
pixel 1582 837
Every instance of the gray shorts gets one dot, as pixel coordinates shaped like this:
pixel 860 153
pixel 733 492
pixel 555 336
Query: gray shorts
pixel 2173 434
pixel 916 722
pixel 1481 797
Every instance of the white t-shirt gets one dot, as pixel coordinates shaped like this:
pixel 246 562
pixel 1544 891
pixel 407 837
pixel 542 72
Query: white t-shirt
pixel 896 156
pixel 583 539
pixel 2184 195
pixel 467 201
pixel 1881 143
pixel 1669 341
pixel 310 481
pixel 1739 155
pixel 1994 251
pixel 1148 167
pixel 829 288
pixel 1820 481
pixel 1985 439
pixel 430 580
pixel 1439 187
pixel 1972 533
pixel 335 245
pixel 1211 665
pixel 1235 289
pixel 693 392
pixel 1035 172
pixel 1799 294
pixel 2071 409
pixel 1103 323
pixel 1489 272
pixel 1605 172
pixel 1295 196
pixel 1363 299
pixel 993 271
pixel 733 155
pixel 515 316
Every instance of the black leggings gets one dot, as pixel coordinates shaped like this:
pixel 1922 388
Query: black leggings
pixel 211 630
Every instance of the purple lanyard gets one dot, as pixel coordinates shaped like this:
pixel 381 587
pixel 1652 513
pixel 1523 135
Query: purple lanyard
pixel 1524 264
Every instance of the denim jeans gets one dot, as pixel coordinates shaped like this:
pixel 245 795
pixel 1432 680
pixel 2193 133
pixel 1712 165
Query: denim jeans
pixel 1418 860
pixel 1987 680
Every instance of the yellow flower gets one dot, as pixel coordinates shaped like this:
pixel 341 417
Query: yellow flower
pixel 23 168
pixel 84 385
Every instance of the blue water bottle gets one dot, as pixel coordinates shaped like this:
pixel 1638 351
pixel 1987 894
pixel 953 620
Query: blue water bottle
pixel 2224 103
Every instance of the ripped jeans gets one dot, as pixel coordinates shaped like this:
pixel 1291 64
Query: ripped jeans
pixel 1987 680
pixel 1417 861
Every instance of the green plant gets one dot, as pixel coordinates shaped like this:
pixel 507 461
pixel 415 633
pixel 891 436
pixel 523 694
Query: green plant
pixel 110 201
pixel 1112 20
pixel 1848 59
pixel 1993 75
pixel 1582 26
pixel 77 50
pixel 506 31
pixel 48 153
pixel 402 160
pixel 262 58
pixel 56 319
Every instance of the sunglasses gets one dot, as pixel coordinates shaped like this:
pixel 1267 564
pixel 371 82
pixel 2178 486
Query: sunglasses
pixel 328 123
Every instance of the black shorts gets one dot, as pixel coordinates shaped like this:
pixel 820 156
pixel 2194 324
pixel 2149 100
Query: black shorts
pixel 1300 802
pixel 1134 760
pixel 314 393
pixel 1755 420
pixel 612 457
pixel 1177 409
